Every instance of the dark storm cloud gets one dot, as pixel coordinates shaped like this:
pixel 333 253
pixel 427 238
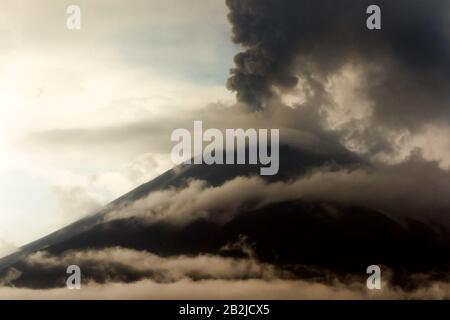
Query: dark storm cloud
pixel 408 66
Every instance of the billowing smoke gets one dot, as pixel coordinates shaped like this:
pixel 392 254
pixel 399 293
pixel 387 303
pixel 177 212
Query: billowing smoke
pixel 406 63
pixel 391 189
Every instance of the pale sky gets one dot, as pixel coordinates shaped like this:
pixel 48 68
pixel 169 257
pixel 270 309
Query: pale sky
pixel 130 61
pixel 86 115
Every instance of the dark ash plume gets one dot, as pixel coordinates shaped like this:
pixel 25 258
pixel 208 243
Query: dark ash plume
pixel 285 40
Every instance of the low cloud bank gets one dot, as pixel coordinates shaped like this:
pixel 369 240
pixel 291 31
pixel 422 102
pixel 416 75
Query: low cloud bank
pixel 222 289
pixel 217 278
pixel 161 269
pixel 392 189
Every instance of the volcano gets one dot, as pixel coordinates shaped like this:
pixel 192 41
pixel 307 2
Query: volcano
pixel 309 239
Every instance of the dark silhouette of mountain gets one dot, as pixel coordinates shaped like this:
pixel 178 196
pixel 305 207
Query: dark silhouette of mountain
pixel 308 238
pixel 293 162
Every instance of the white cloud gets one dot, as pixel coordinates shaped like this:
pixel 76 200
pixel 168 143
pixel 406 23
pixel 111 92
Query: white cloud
pixel 388 188
pixel 165 269
pixel 236 278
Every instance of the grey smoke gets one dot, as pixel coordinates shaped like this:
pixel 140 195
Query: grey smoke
pixel 391 189
pixel 407 63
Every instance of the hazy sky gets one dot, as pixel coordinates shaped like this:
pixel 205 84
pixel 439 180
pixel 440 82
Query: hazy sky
pixel 146 59
pixel 86 115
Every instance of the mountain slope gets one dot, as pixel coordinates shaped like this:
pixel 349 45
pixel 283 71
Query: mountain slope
pixel 307 238
pixel 293 162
